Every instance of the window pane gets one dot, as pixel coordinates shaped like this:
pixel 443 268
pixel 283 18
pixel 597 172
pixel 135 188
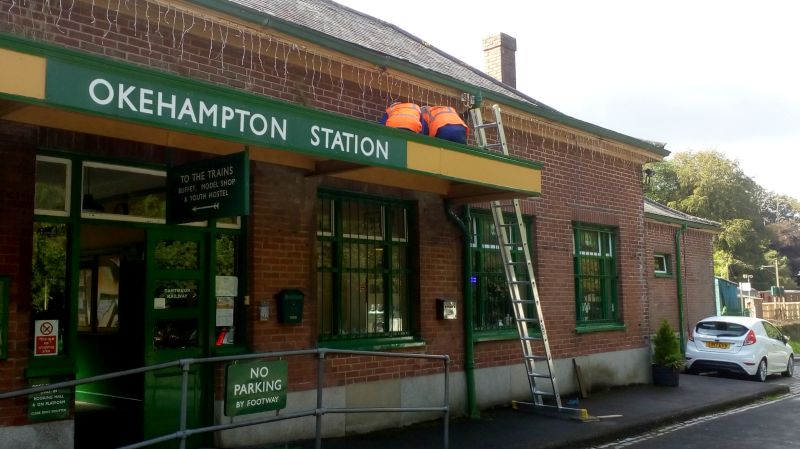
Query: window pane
pixel 399 224
pixel 177 255
pixel 175 334
pixel 352 276
pixel 107 292
pixel 173 293
pixel 325 217
pixel 52 188
pixel 85 292
pixel 660 264
pixel 400 303
pixel 123 191
pixel 227 255
pixel 49 275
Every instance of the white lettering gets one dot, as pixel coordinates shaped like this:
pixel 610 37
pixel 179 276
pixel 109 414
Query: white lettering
pixel 277 126
pixel 145 101
pixel 164 105
pixel 314 135
pixel 123 99
pixel 227 115
pixel 242 114
pixel 383 149
pixel 208 112
pixel 187 109
pixel 109 92
pixel 258 131
pixel 363 147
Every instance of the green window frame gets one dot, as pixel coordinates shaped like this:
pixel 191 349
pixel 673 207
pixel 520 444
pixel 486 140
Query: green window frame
pixel 596 278
pixel 363 266
pixel 493 314
pixel 661 265
pixel 5 284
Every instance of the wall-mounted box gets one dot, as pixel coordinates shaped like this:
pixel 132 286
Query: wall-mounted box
pixel 290 306
pixel 446 309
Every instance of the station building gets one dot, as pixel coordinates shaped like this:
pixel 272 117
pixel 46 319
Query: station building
pixel 126 131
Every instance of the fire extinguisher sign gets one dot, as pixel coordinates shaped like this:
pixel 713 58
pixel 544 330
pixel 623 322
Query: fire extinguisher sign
pixel 45 337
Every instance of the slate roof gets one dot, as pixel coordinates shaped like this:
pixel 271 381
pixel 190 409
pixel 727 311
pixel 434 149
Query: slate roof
pixel 359 29
pixel 660 212
pixel 347 24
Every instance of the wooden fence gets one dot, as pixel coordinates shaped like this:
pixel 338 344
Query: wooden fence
pixel 780 311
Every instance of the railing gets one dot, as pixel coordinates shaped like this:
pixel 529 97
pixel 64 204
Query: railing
pixel 184 433
pixel 780 311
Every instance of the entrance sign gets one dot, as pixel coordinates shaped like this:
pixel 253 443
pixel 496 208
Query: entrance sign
pixel 255 387
pixel 219 112
pixel 48 405
pixel 45 337
pixel 211 188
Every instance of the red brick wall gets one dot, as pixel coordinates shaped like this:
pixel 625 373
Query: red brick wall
pixel 697 267
pixel 579 183
pixel 16 229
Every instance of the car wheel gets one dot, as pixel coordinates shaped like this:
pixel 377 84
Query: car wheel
pixel 761 374
pixel 789 367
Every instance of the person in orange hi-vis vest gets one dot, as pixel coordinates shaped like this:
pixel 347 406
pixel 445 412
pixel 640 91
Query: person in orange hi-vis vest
pixel 445 123
pixel 406 116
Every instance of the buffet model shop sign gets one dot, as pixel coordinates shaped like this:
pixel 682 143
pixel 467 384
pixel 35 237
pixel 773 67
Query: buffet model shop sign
pixel 207 189
pixel 255 387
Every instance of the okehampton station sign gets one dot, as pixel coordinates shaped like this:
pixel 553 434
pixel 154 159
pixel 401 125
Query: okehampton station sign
pixel 217 112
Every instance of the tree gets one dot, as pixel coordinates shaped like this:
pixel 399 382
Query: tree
pixel 708 185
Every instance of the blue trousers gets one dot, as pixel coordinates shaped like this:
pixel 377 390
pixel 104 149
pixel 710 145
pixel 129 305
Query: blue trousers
pixel 453 133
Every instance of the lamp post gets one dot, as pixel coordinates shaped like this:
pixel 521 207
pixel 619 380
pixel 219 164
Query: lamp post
pixel 777 279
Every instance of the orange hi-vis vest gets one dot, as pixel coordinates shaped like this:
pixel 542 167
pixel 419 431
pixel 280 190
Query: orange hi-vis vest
pixel 438 116
pixel 404 115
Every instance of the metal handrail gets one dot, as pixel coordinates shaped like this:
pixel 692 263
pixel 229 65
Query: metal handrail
pixel 185 364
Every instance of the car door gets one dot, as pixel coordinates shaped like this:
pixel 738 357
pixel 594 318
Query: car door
pixel 778 353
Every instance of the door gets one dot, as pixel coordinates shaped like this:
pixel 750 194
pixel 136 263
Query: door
pixel 176 327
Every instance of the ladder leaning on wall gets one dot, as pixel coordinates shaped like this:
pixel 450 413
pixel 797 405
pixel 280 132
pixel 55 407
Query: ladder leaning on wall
pixel 522 285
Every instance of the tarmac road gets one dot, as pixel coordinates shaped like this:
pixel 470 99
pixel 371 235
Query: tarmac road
pixel 765 424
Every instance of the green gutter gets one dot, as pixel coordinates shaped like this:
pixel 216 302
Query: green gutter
pixel 384 60
pixel 468 312
pixel 679 283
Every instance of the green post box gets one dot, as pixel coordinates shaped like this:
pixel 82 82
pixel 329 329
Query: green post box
pixel 290 306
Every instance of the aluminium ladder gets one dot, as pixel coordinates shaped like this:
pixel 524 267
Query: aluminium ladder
pixel 522 284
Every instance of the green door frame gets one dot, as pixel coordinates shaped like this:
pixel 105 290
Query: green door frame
pixel 174 297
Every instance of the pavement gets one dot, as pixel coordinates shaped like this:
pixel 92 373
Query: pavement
pixel 622 412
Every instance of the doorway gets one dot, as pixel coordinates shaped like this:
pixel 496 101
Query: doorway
pixel 142 300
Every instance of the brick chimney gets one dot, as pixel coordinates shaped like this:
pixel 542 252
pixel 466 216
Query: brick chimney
pixel 499 58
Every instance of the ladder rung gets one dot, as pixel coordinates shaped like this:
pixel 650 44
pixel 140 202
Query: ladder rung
pixel 520 283
pixel 540 375
pixel 486 125
pixel 535 357
pixel 522 301
pixel 493 145
pixel 543 393
pixel 530 338
pixel 527 320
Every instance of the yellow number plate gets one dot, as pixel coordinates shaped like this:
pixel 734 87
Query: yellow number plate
pixel 717 345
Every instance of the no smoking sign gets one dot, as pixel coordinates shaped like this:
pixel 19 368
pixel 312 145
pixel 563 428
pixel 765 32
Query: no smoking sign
pixel 45 337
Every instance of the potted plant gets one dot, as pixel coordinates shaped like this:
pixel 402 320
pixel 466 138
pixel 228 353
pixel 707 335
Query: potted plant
pixel 667 357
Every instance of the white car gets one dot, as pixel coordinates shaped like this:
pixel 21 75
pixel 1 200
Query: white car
pixel 740 345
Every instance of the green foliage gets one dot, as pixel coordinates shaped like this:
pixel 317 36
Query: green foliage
pixel 49 266
pixel 666 347
pixel 708 185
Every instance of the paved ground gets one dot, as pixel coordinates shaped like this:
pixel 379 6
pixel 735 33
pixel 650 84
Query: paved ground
pixel 641 407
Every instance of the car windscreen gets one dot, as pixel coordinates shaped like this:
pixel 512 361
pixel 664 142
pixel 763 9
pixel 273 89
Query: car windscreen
pixel 720 329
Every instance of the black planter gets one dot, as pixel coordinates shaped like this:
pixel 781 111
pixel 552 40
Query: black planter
pixel 666 376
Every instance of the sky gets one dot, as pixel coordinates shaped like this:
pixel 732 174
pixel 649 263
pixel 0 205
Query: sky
pixel 697 75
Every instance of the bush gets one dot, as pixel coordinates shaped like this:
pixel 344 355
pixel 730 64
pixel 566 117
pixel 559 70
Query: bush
pixel 666 348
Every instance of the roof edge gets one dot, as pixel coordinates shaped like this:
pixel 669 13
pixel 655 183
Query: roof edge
pixel 382 59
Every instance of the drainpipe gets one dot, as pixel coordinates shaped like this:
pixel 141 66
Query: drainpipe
pixel 468 312
pixel 679 282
